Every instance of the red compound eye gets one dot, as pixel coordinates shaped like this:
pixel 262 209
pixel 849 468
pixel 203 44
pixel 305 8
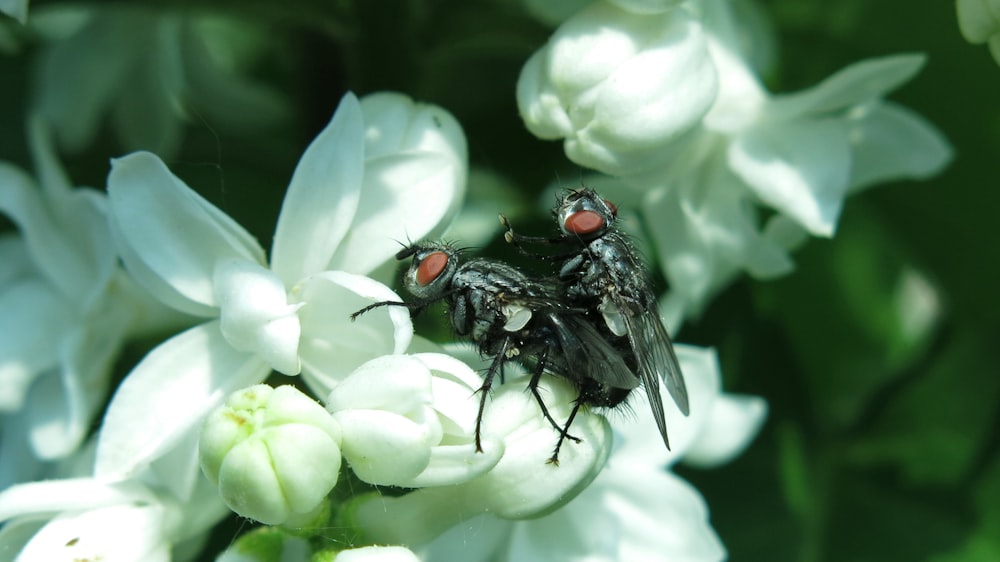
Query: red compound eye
pixel 584 222
pixel 431 267
pixel 613 207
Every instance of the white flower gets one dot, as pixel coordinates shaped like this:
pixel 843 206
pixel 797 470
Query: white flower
pixel 521 485
pixel 617 86
pixel 635 509
pixel 86 518
pixel 273 452
pixel 979 21
pixel 289 315
pixel 143 70
pixel 699 173
pixel 67 309
pixel 410 421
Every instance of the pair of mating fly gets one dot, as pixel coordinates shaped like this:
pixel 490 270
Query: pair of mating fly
pixel 595 324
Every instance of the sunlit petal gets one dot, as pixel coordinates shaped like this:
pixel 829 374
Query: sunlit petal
pixel 322 197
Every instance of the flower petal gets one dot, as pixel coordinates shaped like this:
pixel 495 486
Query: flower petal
pixel 68 239
pixel 168 394
pixel 75 111
pixel 75 494
pixel 642 443
pixel 856 84
pixel 404 197
pixel 801 169
pixel 889 141
pixel 63 405
pixel 34 322
pixel 633 513
pixel 384 448
pixel 98 535
pixel 322 198
pixel 394 383
pixel 255 314
pixel 332 345
pixel 173 231
pixel 732 424
pixel 377 554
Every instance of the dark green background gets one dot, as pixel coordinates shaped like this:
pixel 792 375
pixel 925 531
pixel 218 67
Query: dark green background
pixel 874 449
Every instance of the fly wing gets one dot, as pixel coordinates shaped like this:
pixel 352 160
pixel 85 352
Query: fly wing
pixel 588 355
pixel 656 361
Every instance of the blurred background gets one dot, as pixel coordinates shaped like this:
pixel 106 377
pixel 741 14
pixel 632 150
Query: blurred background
pixel 878 355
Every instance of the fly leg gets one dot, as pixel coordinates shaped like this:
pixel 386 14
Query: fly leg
pixel 495 367
pixel 564 432
pixel 517 240
pixel 411 306
pixel 533 387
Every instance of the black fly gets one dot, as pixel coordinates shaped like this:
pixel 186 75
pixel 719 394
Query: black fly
pixel 512 317
pixel 603 273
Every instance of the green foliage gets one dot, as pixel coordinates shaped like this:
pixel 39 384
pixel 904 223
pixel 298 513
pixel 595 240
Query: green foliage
pixel 882 442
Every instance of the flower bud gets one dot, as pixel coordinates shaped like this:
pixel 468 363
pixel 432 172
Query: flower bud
pixel 273 452
pixel 618 86
pixel 410 421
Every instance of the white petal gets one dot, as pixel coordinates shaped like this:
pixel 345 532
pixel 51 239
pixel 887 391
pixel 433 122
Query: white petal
pixel 395 124
pixel 855 84
pixel 393 383
pixel 475 539
pixel 454 464
pixel 377 554
pixel 68 239
pixel 383 448
pixel 523 485
pixel 114 534
pixel 52 496
pixel 404 197
pixel 63 405
pixel 732 424
pixel 801 169
pixel 633 83
pixel 638 513
pixel 18 462
pixel 642 443
pixel 332 345
pixel 255 314
pixel 168 394
pixel 889 141
pixel 75 112
pixel 147 117
pixel 538 102
pixel 322 197
pixel 175 232
pixel 17 9
pixel 34 322
pixel 15 259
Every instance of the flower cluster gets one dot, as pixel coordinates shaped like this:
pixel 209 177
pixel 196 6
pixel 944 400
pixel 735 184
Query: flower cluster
pixel 665 99
pixel 353 439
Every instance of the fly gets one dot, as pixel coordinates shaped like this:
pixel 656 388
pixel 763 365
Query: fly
pixel 603 273
pixel 511 317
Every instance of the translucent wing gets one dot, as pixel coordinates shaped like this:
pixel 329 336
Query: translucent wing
pixel 588 355
pixel 656 361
